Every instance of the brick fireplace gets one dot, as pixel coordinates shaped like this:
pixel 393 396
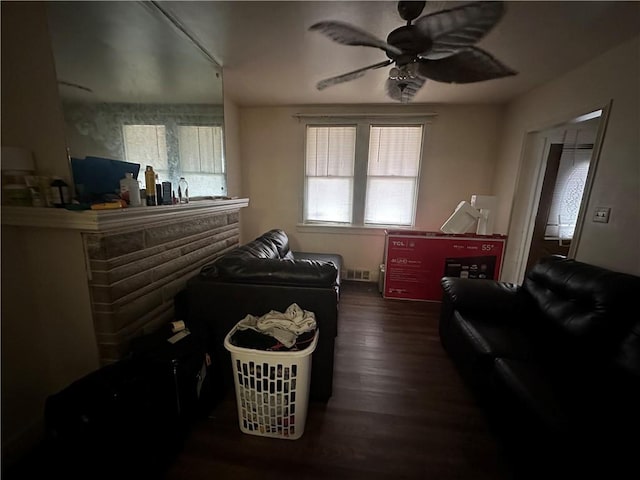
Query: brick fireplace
pixel 135 260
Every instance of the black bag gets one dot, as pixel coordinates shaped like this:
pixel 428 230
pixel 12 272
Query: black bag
pixel 108 423
pixel 181 371
pixel 130 417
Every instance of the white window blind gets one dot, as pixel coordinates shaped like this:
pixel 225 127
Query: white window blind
pixel 146 145
pixel 567 194
pixel 330 159
pixel 392 174
pixel 200 149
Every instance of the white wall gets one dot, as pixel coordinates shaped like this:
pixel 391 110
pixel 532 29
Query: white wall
pixel 459 155
pixel 42 351
pixel 31 109
pixel 232 148
pixel 611 76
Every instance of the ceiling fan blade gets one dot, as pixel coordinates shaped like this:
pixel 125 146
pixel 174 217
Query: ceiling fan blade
pixel 440 50
pixel 470 65
pixel 463 25
pixel 346 34
pixel 404 90
pixel 345 77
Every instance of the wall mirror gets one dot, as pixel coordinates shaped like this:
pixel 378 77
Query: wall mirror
pixel 135 87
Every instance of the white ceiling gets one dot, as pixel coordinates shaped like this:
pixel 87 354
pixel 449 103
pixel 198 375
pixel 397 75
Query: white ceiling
pixel 270 57
pixel 125 51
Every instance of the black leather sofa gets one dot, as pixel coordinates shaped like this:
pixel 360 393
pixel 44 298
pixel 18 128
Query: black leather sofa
pixel 261 276
pixel 555 362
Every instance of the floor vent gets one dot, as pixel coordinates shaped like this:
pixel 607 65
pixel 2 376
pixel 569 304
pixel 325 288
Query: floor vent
pixel 359 275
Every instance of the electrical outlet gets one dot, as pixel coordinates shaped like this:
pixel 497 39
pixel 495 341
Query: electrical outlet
pixel 601 214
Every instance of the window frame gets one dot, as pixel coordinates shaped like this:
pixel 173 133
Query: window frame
pixel 363 126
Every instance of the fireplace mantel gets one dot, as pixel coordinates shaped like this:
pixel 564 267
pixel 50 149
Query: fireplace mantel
pixel 107 220
pixel 107 276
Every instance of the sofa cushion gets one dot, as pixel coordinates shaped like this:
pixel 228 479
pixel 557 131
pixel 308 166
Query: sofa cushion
pixel 253 249
pixel 273 244
pixel 268 260
pixel 310 273
pixel 626 360
pixel 478 296
pixel 527 394
pixel 582 306
pixel 279 240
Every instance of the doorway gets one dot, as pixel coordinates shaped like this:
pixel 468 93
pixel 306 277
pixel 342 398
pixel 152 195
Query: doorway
pixel 565 177
pixel 553 188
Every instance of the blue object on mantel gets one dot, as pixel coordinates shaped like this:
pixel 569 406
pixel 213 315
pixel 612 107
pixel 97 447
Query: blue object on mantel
pixel 97 179
pixel 77 206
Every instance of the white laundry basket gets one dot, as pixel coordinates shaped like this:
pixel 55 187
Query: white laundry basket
pixel 272 389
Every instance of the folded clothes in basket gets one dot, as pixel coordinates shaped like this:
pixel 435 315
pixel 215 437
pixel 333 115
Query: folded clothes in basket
pixel 285 327
pixel 260 341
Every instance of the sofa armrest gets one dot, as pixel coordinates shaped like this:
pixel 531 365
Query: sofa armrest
pixel 481 297
pixel 334 258
pixel 488 301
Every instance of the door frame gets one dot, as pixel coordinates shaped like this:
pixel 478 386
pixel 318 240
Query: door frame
pixel 536 149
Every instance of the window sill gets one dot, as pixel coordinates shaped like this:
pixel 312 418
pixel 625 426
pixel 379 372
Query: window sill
pixel 347 229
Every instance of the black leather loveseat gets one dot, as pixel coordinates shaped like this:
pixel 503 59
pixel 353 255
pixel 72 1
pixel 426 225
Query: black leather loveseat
pixel 555 362
pixel 261 276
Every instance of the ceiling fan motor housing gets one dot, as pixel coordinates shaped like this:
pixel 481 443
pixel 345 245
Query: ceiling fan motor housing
pixel 410 10
pixel 410 41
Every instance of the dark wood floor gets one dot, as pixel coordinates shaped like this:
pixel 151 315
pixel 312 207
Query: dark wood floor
pixel 399 410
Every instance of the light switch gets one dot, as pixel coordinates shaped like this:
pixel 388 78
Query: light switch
pixel 601 214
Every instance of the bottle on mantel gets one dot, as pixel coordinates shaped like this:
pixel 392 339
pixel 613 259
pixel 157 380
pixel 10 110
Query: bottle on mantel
pixel 150 184
pixel 183 190
pixel 158 191
pixel 130 190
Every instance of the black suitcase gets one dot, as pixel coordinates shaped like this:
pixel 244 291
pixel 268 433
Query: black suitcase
pixel 111 423
pixel 181 370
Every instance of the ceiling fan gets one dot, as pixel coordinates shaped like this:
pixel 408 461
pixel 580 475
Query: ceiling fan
pixel 438 46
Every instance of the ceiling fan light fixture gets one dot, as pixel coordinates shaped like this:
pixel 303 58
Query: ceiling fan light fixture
pixel 412 69
pixel 404 72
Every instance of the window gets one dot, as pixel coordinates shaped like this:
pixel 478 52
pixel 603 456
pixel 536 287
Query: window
pixel 191 151
pixel 201 159
pixel 330 162
pixel 392 175
pixel 364 174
